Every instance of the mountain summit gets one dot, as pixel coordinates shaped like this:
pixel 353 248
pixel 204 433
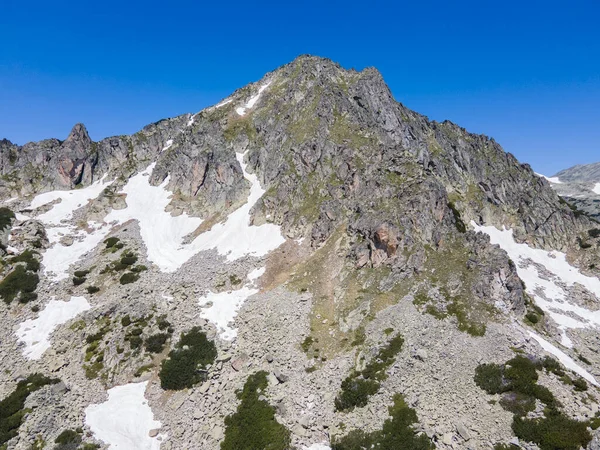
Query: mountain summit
pixel 306 264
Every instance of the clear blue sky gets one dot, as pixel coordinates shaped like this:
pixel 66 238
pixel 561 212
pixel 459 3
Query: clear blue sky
pixel 525 72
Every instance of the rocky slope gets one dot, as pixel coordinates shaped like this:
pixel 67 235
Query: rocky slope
pixel 315 229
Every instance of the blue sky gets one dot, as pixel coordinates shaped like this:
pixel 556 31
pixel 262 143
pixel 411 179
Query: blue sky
pixel 526 73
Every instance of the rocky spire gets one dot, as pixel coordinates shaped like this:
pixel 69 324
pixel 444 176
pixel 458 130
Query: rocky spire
pixel 79 135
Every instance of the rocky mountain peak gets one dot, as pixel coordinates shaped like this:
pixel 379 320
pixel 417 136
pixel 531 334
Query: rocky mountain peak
pixel 79 136
pixel 307 257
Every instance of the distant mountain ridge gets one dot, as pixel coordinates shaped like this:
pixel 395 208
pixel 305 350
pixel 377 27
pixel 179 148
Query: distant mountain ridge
pixel 581 173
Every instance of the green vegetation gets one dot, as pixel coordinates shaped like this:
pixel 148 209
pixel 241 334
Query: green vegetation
pixel 94 357
pixel 397 433
pixel 6 218
pixel 458 222
pixel 67 439
pixel 184 367
pixel 12 408
pixel 306 344
pixel 594 233
pixel 360 385
pixel 532 317
pixel 92 289
pixel 19 281
pixel 156 342
pixel 81 273
pixel 78 281
pixel 111 242
pixel 29 258
pixel 234 280
pixel 253 426
pixel 128 278
pixel 143 369
pixel 450 266
pixel 517 380
pixel 457 306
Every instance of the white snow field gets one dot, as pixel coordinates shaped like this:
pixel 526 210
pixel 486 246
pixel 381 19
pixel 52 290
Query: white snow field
pixel 35 333
pixel 125 419
pixel 163 234
pixel 554 180
pixel 597 189
pixel 241 110
pixel 221 308
pixel 70 201
pixel 548 293
pixel 57 259
pixel 566 360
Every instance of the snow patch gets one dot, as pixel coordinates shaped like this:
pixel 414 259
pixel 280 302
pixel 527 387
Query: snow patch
pixel 70 201
pixel 57 259
pixel 21 217
pixel 563 358
pixel 221 308
pixel 596 189
pixel 256 274
pixel 35 333
pixel 320 446
pixel 548 293
pixel 554 180
pixel 241 110
pixel 10 200
pixel 167 145
pixel 191 121
pixel 125 419
pixel 162 233
pixel 223 103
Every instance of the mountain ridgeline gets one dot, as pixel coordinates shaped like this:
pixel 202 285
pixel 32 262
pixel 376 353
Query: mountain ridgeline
pixel 381 211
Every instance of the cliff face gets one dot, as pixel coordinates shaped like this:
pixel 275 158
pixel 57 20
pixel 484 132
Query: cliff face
pixel 357 215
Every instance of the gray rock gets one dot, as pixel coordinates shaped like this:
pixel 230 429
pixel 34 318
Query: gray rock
pixel 280 376
pixel 463 432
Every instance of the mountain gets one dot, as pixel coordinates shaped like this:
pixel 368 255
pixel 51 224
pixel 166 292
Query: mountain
pixel 307 264
pixel 580 186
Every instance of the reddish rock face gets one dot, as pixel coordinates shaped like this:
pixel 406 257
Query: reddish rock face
pixel 386 239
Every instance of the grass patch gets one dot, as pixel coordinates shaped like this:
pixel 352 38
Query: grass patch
pixel 12 408
pixel 360 385
pixel 143 369
pixel 253 426
pixel 397 433
pixel 78 281
pixel 306 343
pixel 81 273
pixel 184 367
